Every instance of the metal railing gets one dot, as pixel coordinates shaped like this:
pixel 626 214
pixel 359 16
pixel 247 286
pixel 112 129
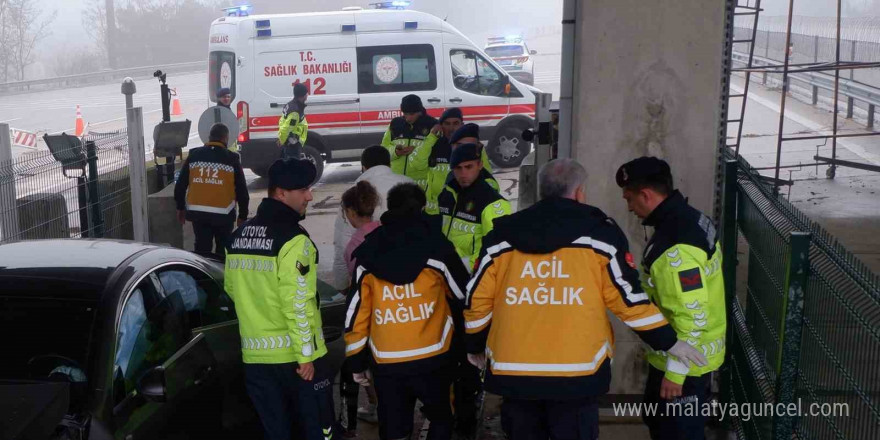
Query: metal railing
pixel 853 90
pixel 99 76
pixel 93 200
pixel 806 328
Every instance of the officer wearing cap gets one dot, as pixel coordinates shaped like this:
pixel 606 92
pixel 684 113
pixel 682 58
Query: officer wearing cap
pixel 681 272
pixel 293 129
pixel 271 274
pixel 407 140
pixel 470 134
pixel 224 99
pixel 468 203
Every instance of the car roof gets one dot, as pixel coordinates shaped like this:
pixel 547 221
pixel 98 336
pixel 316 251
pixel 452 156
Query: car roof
pixel 78 267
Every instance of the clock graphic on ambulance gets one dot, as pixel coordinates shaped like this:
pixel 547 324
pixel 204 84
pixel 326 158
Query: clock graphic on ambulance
pixel 387 69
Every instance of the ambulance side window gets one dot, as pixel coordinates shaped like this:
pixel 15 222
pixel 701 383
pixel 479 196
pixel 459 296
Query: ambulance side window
pixel 472 73
pixel 221 73
pixel 398 68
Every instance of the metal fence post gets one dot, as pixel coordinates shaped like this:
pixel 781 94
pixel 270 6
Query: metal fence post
pixel 96 216
pixel 8 201
pixel 796 279
pixel 852 57
pixel 138 173
pixel 815 48
pixel 870 115
pixel 728 249
pixel 815 95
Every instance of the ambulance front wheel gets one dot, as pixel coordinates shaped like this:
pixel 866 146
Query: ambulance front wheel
pixel 311 153
pixel 508 148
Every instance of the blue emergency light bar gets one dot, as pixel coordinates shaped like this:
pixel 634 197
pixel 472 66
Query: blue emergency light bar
pixel 238 11
pixel 397 4
pixel 506 39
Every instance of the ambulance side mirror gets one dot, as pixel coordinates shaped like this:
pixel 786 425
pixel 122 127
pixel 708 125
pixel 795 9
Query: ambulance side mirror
pixel 506 85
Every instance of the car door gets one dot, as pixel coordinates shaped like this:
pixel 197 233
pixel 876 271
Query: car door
pixel 150 332
pixel 211 316
pixel 476 86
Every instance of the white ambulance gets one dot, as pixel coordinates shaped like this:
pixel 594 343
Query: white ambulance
pixel 358 64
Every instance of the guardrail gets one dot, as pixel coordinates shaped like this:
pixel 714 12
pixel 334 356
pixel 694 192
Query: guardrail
pixel 98 77
pixel 853 90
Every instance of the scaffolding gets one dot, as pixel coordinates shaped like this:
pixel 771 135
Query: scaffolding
pixel 786 68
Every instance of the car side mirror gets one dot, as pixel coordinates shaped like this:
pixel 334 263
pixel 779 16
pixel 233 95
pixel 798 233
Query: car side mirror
pixel 151 385
pixel 506 85
pixel 533 52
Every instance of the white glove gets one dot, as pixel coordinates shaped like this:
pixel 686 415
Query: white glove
pixel 685 353
pixel 364 378
pixel 477 360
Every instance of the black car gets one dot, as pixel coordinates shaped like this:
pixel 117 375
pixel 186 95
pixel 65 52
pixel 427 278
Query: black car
pixel 124 340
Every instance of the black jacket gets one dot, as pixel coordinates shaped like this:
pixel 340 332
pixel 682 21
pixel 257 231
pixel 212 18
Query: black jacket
pixel 676 222
pixel 211 181
pixel 398 253
pixel 281 223
pixel 400 129
pixel 566 230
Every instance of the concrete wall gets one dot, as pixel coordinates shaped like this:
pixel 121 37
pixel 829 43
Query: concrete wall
pixel 648 81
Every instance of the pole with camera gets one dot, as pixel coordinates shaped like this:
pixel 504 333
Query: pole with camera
pixel 543 136
pixel 169 137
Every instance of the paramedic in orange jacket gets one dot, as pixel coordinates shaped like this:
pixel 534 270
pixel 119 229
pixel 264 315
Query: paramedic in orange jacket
pixel 536 309
pixel 399 322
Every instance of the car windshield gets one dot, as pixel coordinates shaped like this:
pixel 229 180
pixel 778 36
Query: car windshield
pixel 44 336
pixel 505 51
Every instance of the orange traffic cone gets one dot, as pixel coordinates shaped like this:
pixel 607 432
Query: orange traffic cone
pixel 80 125
pixel 175 105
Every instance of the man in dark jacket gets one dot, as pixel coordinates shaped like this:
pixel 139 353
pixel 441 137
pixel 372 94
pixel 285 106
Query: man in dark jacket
pixel 537 309
pixel 407 139
pixel 211 181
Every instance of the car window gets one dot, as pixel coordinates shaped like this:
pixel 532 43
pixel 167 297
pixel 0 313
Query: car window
pixel 205 302
pixel 130 323
pixel 474 74
pixel 511 50
pixel 396 68
pixel 161 334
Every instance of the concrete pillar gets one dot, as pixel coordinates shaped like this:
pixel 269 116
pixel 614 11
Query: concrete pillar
pixel 651 84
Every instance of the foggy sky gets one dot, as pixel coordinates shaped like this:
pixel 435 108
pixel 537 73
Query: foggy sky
pixel 476 18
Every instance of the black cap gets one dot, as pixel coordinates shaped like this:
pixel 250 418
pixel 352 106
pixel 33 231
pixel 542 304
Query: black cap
pixel 453 112
pixel 465 131
pixel 223 92
pixel 292 174
pixel 644 171
pixel 300 90
pixel 411 104
pixel 464 153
